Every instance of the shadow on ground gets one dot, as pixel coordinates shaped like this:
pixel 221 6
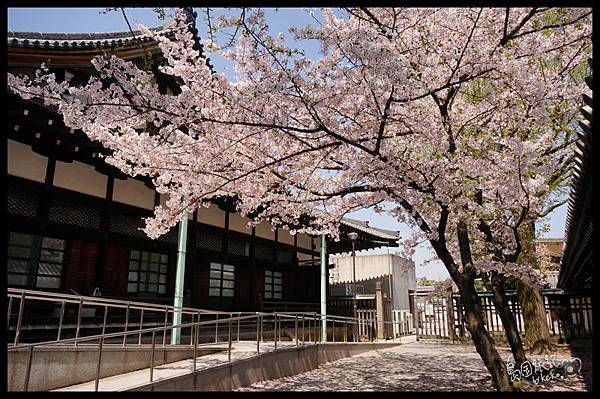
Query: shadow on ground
pixel 414 366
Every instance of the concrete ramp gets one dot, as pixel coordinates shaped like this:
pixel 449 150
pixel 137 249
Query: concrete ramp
pixel 57 366
pixel 215 373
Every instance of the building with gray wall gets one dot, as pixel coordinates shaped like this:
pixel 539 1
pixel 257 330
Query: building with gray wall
pixel 396 274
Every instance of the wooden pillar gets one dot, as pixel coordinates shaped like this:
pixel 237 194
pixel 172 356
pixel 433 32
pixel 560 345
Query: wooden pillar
pixel 450 316
pixel 379 307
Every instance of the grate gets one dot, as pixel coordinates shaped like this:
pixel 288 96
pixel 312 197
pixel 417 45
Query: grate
pixel 284 256
pixel 68 213
pixel 170 236
pixel 209 241
pixel 20 203
pixel 263 252
pixel 128 225
pixel 236 247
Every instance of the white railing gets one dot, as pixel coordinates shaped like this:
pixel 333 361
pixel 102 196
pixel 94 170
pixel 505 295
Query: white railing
pixel 402 322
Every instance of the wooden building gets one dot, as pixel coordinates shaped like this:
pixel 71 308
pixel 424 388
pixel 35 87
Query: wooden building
pixel 74 221
pixel 576 269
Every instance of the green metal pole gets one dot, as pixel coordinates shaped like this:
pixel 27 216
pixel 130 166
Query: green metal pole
pixel 323 288
pixel 179 277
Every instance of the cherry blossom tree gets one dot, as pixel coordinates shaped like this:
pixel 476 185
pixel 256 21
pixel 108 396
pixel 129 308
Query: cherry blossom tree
pixel 446 113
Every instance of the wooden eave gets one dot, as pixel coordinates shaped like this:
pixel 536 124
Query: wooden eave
pixel 34 57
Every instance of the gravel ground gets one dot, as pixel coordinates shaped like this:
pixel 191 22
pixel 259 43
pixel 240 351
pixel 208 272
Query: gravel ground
pixel 416 366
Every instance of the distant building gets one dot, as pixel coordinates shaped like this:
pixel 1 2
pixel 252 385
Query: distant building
pixel 555 247
pixel 396 274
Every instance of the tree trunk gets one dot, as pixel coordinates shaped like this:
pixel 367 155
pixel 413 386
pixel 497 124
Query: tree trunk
pixel 481 338
pixel 508 319
pixel 537 333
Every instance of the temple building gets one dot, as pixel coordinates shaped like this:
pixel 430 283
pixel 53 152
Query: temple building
pixel 576 268
pixel 74 221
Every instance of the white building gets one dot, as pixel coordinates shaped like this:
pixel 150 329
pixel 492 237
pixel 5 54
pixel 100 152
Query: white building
pixel 396 274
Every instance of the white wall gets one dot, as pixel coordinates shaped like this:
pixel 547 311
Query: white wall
pixel 379 266
pixel 80 177
pixel 133 192
pixel 23 162
pixel 212 215
pixel 285 237
pixel 239 223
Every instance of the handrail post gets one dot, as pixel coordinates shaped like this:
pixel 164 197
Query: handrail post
pixel 164 342
pixel 60 320
pixel 152 356
pixel 238 326
pixel 79 319
pixel 275 331
pixel 317 332
pixel 196 343
pixel 229 339
pixel 126 324
pixel 97 383
pixel 333 331
pixel 28 372
pixel 217 329
pixel 10 302
pixel 141 327
pixel 20 318
pixel 257 333
pixel 302 329
pixel 296 328
pixel 192 328
pixel 105 317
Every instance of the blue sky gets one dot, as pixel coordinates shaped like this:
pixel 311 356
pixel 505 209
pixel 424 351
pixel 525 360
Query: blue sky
pixel 92 20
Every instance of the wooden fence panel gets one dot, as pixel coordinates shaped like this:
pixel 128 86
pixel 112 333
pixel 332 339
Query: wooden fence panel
pixel 569 315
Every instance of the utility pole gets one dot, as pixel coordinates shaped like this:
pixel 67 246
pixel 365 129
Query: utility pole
pixel 353 236
pixel 323 288
pixel 179 279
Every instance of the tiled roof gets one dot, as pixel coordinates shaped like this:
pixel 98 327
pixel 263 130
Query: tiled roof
pixel 377 232
pixel 91 40
pixel 576 265
pixel 81 41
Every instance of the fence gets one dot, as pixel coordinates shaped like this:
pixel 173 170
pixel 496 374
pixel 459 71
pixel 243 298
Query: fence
pixel 569 315
pixel 395 322
pixel 299 327
pixel 402 322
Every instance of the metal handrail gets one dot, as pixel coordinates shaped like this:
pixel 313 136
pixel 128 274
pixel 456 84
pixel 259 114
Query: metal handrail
pixel 313 319
pixel 101 301
pixel 259 316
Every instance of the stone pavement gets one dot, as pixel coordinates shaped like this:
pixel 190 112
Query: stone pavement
pixel 412 366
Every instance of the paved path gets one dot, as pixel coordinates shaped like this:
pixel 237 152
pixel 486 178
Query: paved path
pixel 412 366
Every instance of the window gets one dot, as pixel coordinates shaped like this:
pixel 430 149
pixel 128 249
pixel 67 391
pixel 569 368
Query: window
pixel 273 284
pixel 147 272
pixel 35 261
pixel 221 280
pixel 236 247
pixel 285 256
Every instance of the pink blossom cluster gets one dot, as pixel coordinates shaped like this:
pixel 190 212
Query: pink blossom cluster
pixel 454 115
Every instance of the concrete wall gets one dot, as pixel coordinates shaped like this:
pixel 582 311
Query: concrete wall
pixel 266 366
pixel 371 269
pixel 403 279
pixel 60 366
